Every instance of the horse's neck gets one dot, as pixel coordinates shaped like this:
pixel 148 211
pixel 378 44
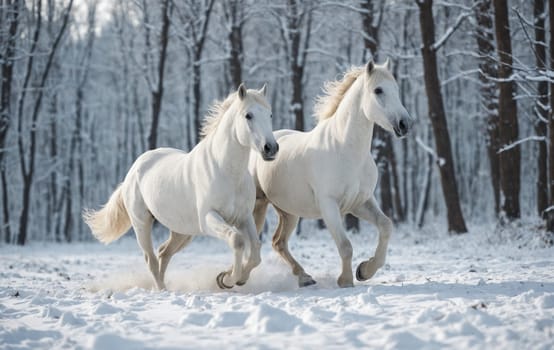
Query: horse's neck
pixel 228 153
pixel 349 125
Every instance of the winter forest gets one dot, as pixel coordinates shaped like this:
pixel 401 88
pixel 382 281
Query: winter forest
pixel 87 86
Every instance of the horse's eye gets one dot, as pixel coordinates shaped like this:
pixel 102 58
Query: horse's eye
pixel 271 115
pixel 378 91
pixel 248 116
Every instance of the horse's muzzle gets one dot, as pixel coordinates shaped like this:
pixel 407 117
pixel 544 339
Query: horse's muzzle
pixel 402 127
pixel 270 151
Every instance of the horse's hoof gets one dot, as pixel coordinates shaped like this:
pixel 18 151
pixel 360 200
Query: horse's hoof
pixel 346 285
pixel 345 282
pixel 307 281
pixel 359 276
pixel 240 283
pixel 219 280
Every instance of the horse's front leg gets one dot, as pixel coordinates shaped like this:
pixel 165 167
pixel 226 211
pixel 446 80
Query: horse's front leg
pixel 217 227
pixel 248 227
pixel 331 215
pixel 371 212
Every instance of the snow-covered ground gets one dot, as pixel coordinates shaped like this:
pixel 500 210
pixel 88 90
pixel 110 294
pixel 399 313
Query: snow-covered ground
pixel 483 290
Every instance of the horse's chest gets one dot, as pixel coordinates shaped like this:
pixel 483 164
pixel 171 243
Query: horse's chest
pixel 353 194
pixel 354 188
pixel 234 201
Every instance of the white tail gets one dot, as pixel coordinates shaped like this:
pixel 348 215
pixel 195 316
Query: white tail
pixel 110 222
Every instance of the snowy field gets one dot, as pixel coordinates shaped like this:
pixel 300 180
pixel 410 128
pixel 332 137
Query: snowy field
pixel 485 290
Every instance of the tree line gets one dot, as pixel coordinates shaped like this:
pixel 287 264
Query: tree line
pixel 87 86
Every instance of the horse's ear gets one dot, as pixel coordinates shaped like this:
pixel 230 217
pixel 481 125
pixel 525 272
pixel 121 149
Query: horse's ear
pixel 241 91
pixel 369 67
pixel 263 90
pixel 387 64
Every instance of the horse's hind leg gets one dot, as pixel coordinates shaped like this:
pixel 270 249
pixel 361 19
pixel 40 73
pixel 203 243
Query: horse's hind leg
pixel 175 243
pixel 371 212
pixel 143 231
pixel 287 224
pixel 142 220
pixel 260 211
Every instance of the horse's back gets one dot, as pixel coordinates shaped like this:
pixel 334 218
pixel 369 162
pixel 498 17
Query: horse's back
pixel 155 157
pixel 284 132
pixel 159 164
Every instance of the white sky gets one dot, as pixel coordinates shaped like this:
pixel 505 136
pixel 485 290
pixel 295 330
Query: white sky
pixel 80 11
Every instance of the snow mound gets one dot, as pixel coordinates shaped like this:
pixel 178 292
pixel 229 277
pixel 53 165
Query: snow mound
pixel 267 319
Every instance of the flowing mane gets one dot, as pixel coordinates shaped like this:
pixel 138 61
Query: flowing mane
pixel 218 109
pixel 215 113
pixel 333 93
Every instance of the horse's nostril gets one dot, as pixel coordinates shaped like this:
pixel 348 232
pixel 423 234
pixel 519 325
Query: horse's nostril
pixel 267 148
pixel 402 125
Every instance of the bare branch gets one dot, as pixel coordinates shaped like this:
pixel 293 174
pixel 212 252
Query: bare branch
pixel 519 142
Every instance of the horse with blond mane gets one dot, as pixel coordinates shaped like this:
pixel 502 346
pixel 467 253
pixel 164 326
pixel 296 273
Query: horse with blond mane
pixel 207 191
pixel 328 172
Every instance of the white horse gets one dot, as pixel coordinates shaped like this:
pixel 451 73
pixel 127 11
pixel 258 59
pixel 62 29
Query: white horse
pixel 329 172
pixel 205 192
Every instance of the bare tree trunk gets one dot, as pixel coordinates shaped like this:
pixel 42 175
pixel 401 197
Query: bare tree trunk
pixel 22 235
pixel 51 212
pixel 399 214
pixel 8 59
pixel 234 13
pixel 489 90
pixel 28 165
pixel 437 115
pixel 298 53
pixel 196 96
pixel 407 168
pixel 424 199
pixel 157 93
pixel 53 195
pixel 76 146
pixel 507 110
pixel 550 209
pixel 541 106
pixel 198 15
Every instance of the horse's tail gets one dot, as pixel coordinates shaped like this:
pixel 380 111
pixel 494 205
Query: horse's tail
pixel 110 222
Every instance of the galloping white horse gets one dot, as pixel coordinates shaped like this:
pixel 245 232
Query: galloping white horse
pixel 207 191
pixel 329 172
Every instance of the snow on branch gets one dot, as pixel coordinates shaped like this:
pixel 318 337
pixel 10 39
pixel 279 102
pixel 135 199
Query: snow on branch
pixel 343 5
pixel 438 44
pixel 518 142
pixel 461 74
pixel 440 161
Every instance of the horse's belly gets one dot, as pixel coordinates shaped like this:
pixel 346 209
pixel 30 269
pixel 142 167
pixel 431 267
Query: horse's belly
pixel 287 188
pixel 295 198
pixel 178 216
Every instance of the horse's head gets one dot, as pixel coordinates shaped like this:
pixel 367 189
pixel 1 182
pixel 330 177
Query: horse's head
pixel 253 124
pixel 381 100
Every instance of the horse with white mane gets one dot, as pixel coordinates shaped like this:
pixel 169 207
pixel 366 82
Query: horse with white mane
pixel 329 172
pixel 207 191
